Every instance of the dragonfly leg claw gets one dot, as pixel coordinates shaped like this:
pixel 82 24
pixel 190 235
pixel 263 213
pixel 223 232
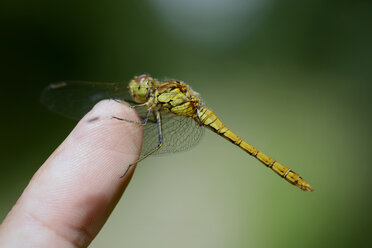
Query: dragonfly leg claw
pixel 143 123
pixel 141 105
pixel 122 102
pixel 126 171
pixel 133 122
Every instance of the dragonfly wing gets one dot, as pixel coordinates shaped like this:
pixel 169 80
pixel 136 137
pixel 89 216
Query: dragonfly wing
pixel 179 134
pixel 73 99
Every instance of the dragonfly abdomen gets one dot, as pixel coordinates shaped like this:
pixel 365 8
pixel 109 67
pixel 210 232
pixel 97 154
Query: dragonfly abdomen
pixel 211 121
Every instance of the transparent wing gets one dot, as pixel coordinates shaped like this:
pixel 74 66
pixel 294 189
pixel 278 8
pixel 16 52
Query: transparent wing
pixel 179 133
pixel 73 99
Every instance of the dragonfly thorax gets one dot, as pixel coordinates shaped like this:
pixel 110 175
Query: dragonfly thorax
pixel 178 98
pixel 170 96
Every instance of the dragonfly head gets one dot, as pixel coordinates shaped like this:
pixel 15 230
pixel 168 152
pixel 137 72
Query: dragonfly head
pixel 139 87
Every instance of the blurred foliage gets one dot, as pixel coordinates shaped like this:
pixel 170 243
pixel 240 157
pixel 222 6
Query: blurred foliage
pixel 292 77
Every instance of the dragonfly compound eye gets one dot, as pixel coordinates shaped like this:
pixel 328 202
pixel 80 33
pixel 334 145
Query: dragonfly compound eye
pixel 140 78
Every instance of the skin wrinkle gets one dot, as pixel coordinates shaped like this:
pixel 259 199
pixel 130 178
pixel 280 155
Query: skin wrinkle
pixel 75 243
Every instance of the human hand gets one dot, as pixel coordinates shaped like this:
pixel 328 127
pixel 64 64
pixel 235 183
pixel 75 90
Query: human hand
pixel 70 197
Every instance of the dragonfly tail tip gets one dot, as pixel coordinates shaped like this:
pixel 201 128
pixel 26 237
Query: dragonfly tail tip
pixel 308 188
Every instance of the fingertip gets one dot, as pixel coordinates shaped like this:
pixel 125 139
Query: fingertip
pixel 78 186
pixel 101 144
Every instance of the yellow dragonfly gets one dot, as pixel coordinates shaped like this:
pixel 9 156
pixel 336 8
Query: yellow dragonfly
pixel 173 115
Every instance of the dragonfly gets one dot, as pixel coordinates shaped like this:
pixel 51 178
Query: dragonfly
pixel 173 116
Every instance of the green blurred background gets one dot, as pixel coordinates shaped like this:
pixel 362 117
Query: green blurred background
pixel 291 77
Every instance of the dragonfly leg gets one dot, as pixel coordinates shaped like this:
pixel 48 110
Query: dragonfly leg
pixel 143 123
pixel 160 143
pixel 141 105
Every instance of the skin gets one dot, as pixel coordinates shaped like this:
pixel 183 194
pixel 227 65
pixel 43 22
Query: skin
pixel 70 197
